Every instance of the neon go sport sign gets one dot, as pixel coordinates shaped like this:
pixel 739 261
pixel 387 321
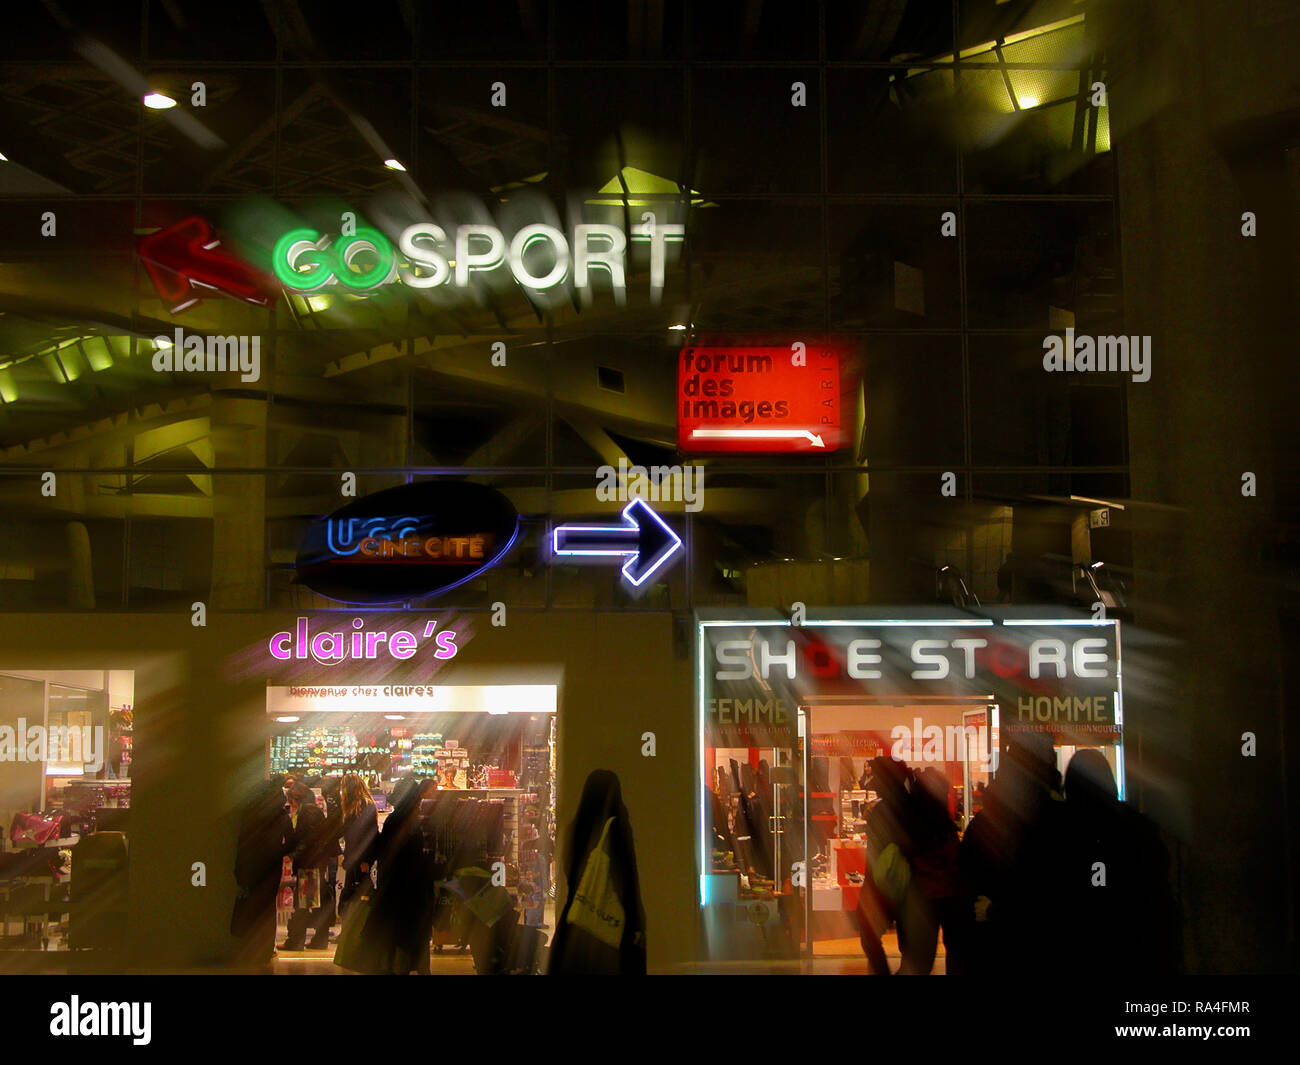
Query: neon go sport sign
pixel 540 256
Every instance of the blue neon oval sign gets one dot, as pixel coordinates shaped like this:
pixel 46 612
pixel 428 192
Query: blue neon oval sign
pixel 408 542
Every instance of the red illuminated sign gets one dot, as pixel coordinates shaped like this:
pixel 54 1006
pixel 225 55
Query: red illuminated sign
pixel 185 261
pixel 758 399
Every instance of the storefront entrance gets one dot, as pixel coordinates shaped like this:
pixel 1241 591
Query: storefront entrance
pixel 486 823
pixel 953 743
pixel 792 717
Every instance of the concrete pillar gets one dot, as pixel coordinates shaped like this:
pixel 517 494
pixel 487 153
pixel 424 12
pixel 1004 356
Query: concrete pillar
pixel 238 429
pixel 1183 75
pixel 81 573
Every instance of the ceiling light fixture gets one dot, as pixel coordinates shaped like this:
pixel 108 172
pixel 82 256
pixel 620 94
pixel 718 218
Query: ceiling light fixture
pixel 158 101
pixel 393 164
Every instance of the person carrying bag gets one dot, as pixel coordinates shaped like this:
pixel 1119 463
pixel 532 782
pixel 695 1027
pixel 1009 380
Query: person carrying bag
pixel 350 948
pixel 596 907
pixel 601 928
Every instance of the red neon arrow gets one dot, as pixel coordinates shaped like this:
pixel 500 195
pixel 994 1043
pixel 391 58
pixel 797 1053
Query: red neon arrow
pixel 185 258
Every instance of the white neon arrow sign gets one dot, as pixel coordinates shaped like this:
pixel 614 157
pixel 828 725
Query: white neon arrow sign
pixel 642 537
pixel 759 434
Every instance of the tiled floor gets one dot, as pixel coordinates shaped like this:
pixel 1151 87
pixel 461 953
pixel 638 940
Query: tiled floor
pixel 833 957
pixel 321 963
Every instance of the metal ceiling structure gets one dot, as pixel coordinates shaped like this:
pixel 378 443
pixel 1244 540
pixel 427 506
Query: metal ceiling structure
pixel 299 118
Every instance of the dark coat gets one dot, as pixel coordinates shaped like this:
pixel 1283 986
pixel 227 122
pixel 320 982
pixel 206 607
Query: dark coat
pixel 264 832
pixel 573 951
pixel 1135 904
pixel 332 830
pixel 401 918
pixel 310 845
pixel 360 835
pixel 1014 853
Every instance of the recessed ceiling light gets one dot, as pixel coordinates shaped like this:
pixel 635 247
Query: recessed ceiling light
pixel 3 158
pixel 158 101
pixel 393 164
pixel 678 328
pixel 287 718
pixel 394 717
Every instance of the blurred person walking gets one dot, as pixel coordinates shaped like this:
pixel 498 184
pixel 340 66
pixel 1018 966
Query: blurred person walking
pixel 312 852
pixel 360 833
pixel 933 901
pixel 1013 862
pixel 1118 873
pixel 888 872
pixel 264 832
pixel 332 848
pixel 400 927
pixel 601 928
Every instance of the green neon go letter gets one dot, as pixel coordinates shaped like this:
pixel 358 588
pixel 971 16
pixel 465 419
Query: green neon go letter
pixel 304 261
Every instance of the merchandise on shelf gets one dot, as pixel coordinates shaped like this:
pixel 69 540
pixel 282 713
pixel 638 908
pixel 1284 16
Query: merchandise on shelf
pixel 325 750
pixel 425 757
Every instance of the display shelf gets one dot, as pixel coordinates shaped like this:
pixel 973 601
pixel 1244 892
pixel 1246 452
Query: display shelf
pixel 317 749
pixel 853 822
pixel 534 862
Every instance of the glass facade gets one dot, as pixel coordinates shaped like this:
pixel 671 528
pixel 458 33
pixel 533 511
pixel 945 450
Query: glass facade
pixel 797 394
pixel 935 218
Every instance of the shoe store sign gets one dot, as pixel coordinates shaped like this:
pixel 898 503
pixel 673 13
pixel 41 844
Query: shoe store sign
pixel 1060 676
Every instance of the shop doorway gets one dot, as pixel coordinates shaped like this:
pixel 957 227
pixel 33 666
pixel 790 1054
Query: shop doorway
pixel 954 742
pixel 488 822
pixel 791 714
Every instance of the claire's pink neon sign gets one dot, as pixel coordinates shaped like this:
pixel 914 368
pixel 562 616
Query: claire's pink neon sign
pixel 329 648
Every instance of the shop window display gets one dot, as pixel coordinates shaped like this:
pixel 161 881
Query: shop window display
pixel 796 721
pixel 65 795
pixel 487 816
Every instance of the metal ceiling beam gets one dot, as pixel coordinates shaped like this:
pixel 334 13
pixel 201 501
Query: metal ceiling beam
pixel 262 132
pixel 506 441
pixel 596 438
pixel 879 27
pixel 38 153
pixel 94 438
